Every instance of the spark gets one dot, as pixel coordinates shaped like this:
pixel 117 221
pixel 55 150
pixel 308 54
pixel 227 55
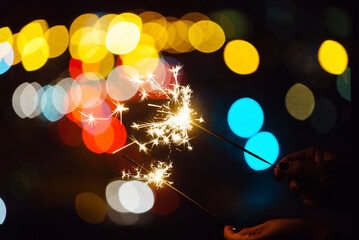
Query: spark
pixel 144 95
pixel 141 146
pixel 91 120
pixel 174 118
pixel 120 108
pixel 157 175
pixel 175 71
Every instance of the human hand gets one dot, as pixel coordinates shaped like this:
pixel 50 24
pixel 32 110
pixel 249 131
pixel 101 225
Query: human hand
pixel 278 229
pixel 319 176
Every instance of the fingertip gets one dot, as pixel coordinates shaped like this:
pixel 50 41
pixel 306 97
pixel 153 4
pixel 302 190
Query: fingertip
pixel 228 227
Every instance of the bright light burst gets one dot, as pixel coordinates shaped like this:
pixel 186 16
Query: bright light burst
pixel 157 176
pixel 174 119
pixel 120 108
pixel 90 119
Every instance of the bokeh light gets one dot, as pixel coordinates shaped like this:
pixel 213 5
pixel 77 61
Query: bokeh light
pixel 241 57
pixel 33 46
pixel 6 57
pixel 57 38
pixel 332 57
pixel 123 37
pixel 245 117
pixel 265 145
pixel 17 55
pixel 136 197
pixel 90 207
pixel 51 101
pixel 324 116
pixel 35 54
pixel 299 101
pixel 178 36
pixel 206 36
pixel 2 211
pixel 16 104
pixel 29 100
pixel 344 84
pixel 121 83
pixel 112 195
pixel 144 58
pixel 104 136
pixel 6 35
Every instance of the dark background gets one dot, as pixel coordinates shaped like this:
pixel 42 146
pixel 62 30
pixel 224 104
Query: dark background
pixel 40 203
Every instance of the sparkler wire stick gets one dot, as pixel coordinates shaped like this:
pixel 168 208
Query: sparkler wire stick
pixel 182 194
pixel 229 141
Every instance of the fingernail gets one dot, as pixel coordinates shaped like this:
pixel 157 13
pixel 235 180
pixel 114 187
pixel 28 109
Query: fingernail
pixel 283 166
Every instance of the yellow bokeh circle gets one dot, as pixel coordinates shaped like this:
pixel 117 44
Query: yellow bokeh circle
pixel 333 57
pixel 300 101
pixel 123 37
pixel 206 36
pixel 241 57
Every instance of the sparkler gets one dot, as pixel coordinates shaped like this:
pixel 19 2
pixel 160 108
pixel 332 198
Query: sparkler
pixel 158 175
pixel 175 119
pixel 172 122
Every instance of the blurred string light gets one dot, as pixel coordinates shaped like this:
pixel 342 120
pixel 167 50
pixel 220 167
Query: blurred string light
pixel 333 57
pixel 241 57
pixel 2 211
pixel 90 207
pixel 93 40
pixel 344 84
pixel 299 101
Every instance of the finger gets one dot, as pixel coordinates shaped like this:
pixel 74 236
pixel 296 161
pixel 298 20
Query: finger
pixel 283 164
pixel 297 169
pixel 245 233
pixel 228 232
